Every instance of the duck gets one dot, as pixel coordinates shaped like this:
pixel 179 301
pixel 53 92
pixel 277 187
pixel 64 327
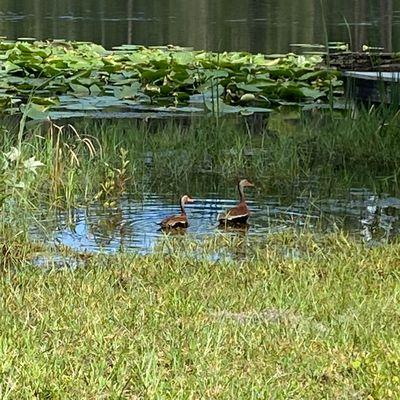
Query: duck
pixel 177 221
pixel 240 214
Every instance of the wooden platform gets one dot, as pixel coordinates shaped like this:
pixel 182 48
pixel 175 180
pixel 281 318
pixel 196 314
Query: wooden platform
pixel 364 61
pixel 373 86
pixel 374 76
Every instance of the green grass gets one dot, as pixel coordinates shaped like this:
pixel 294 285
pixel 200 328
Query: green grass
pixel 93 160
pixel 170 326
pixel 322 323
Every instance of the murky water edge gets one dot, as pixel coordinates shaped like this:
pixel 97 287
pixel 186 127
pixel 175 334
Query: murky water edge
pixel 132 225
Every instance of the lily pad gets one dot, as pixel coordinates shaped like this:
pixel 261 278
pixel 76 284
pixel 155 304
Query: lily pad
pixel 79 90
pixel 36 111
pixel 126 92
pixel 156 76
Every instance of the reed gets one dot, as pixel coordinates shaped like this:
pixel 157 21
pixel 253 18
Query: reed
pixel 63 166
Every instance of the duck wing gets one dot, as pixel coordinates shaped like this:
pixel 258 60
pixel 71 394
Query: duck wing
pixel 175 221
pixel 238 214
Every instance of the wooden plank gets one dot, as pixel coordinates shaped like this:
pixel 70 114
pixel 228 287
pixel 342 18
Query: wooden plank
pixel 374 76
pixel 373 87
pixel 355 61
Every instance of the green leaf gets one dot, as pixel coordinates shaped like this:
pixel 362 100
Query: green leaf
pixel 222 108
pixel 36 111
pixel 79 90
pixel 215 74
pixel 151 75
pixel 181 96
pixel 252 110
pixel 248 87
pixel 45 101
pixel 11 67
pixel 126 92
pixel 95 90
pixel 313 93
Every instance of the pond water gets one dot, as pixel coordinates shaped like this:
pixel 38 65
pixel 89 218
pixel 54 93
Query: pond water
pixel 269 26
pixel 253 25
pixel 132 224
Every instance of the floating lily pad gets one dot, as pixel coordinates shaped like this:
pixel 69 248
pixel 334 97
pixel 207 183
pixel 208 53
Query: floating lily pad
pixel 126 91
pixel 36 111
pixel 171 76
pixel 79 90
pixel 222 108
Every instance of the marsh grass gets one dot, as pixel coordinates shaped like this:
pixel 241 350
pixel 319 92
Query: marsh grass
pixel 172 326
pixel 314 155
pixel 91 160
pixel 63 166
pixel 294 316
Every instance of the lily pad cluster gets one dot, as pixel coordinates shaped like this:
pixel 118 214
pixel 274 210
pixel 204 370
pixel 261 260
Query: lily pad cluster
pixel 61 76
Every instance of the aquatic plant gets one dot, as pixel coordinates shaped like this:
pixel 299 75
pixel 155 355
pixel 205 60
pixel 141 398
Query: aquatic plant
pixel 74 78
pixel 115 180
pixel 102 160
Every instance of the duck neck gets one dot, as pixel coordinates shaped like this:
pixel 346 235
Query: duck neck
pixel 183 212
pixel 241 193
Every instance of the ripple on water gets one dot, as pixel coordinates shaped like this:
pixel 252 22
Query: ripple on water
pixel 132 224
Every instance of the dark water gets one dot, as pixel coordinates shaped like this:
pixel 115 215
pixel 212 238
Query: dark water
pixel 132 225
pixel 252 25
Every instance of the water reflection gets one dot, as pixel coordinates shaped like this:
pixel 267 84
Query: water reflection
pixel 253 25
pixel 132 225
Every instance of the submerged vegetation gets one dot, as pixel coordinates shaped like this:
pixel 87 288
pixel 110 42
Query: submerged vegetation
pixel 71 77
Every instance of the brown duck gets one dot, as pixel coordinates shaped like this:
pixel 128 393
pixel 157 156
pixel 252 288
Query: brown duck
pixel 177 221
pixel 237 215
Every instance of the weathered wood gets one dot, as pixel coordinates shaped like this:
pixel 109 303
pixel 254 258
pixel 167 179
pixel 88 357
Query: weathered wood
pixel 381 76
pixel 373 86
pixel 351 61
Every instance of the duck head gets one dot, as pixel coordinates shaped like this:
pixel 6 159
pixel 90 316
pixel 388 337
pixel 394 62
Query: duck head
pixel 245 183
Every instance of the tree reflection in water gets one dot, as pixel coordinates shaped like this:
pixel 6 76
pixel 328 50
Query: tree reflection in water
pixel 267 26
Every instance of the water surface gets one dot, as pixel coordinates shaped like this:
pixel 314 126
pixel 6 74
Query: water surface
pixel 253 25
pixel 132 225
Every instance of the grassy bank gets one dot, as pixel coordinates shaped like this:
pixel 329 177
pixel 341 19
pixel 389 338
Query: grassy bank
pixel 170 326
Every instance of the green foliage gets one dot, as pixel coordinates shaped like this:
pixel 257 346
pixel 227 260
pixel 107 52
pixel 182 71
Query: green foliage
pixel 167 76
pixel 115 180
pixel 16 174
